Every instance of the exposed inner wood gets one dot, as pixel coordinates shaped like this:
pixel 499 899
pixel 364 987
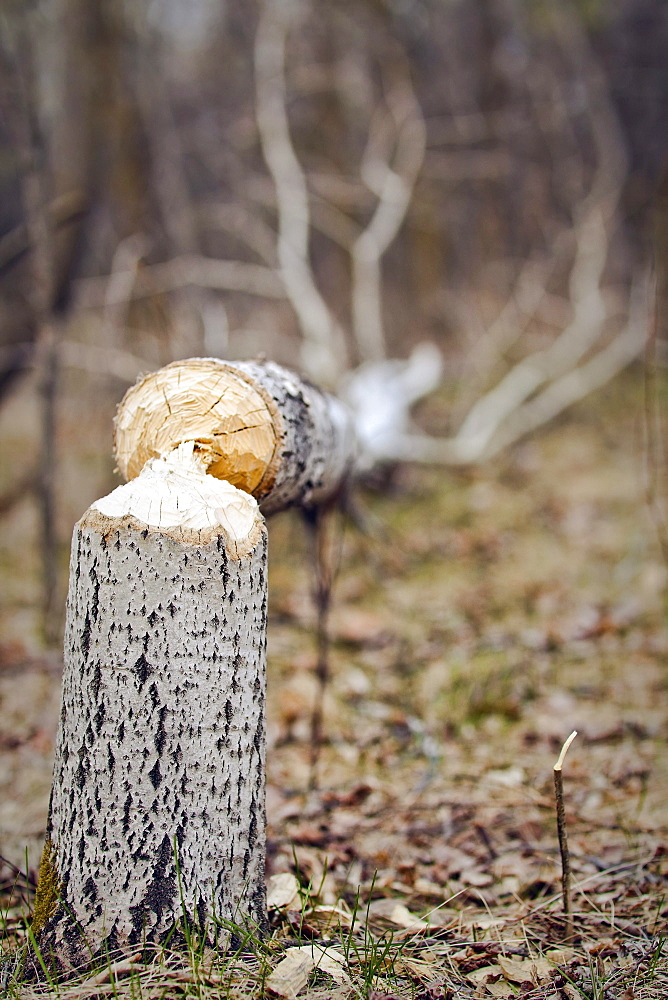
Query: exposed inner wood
pixel 232 423
pixel 175 492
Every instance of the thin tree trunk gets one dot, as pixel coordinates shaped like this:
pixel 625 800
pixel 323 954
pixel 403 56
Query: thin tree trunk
pixel 157 808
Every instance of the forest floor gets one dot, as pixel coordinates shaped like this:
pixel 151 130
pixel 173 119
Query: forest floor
pixel 476 621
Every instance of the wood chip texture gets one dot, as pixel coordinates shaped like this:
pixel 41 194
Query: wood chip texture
pixel 257 425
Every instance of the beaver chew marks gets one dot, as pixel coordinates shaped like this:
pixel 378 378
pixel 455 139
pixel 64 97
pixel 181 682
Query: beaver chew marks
pixel 232 423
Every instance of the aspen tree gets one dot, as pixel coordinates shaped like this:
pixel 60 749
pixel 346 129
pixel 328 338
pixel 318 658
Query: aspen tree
pixel 157 808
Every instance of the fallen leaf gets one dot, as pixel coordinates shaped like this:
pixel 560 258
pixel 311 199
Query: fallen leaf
pixel 427 888
pixel 403 917
pixel 331 916
pixel 436 991
pixel 476 877
pixel 509 777
pixel 327 960
pixel 529 970
pixel 291 974
pixel 485 973
pixel 420 966
pixel 396 913
pixel 347 800
pixel 302 927
pixel 358 627
pixel 560 956
pixel 311 835
pixel 282 891
pixel 501 989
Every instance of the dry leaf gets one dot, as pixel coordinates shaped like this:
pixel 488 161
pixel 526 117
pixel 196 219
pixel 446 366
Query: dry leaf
pixel 501 989
pixel 396 912
pixel 421 966
pixel 402 916
pixel 357 626
pixel 560 956
pixel 510 777
pixel 331 916
pixel 476 877
pixel 327 960
pixel 427 888
pixel 530 970
pixel 282 891
pixel 484 974
pixel 291 974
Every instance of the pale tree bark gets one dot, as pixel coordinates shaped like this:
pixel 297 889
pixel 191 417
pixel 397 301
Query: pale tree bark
pixel 157 815
pixel 157 808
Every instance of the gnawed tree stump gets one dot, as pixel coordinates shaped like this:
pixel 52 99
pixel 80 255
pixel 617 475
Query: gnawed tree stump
pixel 157 808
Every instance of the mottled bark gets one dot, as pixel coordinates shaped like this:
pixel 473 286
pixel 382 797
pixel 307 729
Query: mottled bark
pixel 258 425
pixel 316 445
pixel 157 808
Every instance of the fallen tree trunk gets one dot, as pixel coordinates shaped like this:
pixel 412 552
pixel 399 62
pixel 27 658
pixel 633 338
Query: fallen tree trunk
pixel 255 424
pixel 157 809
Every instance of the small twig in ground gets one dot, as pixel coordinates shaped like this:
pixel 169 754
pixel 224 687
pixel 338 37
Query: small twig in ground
pixel 563 839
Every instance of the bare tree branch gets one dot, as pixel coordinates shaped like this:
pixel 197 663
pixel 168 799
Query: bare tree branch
pixel 561 393
pixel 323 349
pixel 394 188
pixel 222 275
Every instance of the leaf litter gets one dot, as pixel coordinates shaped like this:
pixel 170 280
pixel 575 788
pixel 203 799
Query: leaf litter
pixel 498 611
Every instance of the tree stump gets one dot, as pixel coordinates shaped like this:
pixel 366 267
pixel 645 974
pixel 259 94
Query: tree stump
pixel 157 809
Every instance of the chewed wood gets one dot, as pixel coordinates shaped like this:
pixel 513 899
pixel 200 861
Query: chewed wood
pixel 203 400
pixel 157 809
pixel 255 424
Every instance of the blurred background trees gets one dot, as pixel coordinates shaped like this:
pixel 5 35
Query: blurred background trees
pixel 330 183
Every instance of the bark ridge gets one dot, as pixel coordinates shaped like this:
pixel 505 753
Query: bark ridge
pixel 157 810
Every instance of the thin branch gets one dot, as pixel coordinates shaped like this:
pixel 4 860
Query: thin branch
pixel 394 188
pixel 557 376
pixel 17 492
pixel 526 298
pixel 221 275
pixel 562 393
pixel 323 349
pixel 247 227
pixel 654 451
pixel 581 381
pixel 63 210
pixel 118 293
pixel 320 521
pixel 169 179
pixel 104 361
pixel 563 837
pixel 589 314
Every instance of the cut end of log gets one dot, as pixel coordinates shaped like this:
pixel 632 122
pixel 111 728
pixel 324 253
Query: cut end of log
pixel 175 495
pixel 230 422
